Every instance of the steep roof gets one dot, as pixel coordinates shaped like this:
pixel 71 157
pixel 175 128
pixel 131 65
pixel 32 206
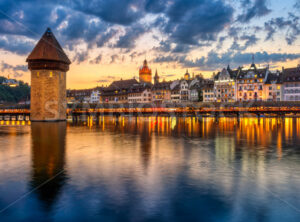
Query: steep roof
pixel 251 72
pixel 274 78
pixel 162 85
pixel 122 84
pixel 48 48
pixel 291 74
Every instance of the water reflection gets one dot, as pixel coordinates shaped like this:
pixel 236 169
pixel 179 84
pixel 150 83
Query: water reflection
pixel 161 169
pixel 48 161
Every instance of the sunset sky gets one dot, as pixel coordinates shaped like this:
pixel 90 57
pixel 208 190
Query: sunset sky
pixel 108 39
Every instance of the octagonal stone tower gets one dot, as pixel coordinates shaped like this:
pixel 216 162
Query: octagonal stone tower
pixel 48 64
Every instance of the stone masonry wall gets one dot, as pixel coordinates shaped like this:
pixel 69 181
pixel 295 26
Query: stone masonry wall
pixel 48 95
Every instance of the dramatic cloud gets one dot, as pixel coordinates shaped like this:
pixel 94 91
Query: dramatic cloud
pixel 16 45
pixel 180 27
pixel 257 9
pixel 122 12
pixel 291 25
pixel 131 35
pixel 80 57
pixel 215 60
pixel 191 22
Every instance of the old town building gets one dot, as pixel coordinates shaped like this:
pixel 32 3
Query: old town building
pixel 117 91
pixel 250 83
pixel 225 87
pixel 161 92
pixel 175 91
pixel 140 93
pixel 273 87
pixel 208 91
pixel 291 84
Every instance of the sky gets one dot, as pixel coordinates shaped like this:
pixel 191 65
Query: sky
pixel 107 40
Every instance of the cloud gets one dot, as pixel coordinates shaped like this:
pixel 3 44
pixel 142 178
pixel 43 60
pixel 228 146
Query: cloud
pixel 80 57
pixel 16 70
pixel 16 45
pixel 215 60
pixel 122 12
pixel 185 18
pixel 132 33
pixel 97 60
pixel 290 24
pixel 297 4
pixel 258 8
pixel 155 6
pixel 114 58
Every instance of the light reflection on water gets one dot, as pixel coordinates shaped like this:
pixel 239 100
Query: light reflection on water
pixel 151 168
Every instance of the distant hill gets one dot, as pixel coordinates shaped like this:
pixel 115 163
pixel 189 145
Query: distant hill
pixel 13 94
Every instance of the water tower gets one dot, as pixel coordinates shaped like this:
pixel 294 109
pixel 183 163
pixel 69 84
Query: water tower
pixel 48 64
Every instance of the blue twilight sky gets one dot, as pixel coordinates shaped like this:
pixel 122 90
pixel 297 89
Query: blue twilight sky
pixel 109 39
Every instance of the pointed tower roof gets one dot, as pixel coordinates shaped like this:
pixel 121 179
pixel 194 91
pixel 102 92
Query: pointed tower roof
pixel 48 48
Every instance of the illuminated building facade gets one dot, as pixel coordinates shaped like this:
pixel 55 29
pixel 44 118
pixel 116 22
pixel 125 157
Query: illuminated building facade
pixel 250 83
pixel 225 87
pixel 161 92
pixel 145 73
pixel 140 93
pixel 273 87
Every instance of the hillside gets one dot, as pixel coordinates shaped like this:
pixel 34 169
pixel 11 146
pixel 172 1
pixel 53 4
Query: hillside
pixel 13 94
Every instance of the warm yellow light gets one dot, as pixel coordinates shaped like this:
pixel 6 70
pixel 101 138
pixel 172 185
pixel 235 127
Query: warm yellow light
pixel 278 87
pixel 51 74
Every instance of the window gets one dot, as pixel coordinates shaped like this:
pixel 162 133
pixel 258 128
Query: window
pixel 270 87
pixel 51 74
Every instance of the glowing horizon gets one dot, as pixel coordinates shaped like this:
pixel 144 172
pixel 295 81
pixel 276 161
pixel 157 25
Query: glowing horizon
pixel 108 41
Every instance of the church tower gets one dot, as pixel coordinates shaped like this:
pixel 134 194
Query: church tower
pixel 156 78
pixel 48 64
pixel 145 74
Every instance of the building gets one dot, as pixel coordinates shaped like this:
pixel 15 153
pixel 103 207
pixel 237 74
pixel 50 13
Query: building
pixel 95 96
pixel 10 82
pixel 291 84
pixel 273 87
pixel 208 91
pixel 224 83
pixel 140 93
pixel 161 92
pixel 184 90
pixel 175 91
pixel 48 64
pixel 145 73
pixel 250 83
pixel 79 95
pixel 117 91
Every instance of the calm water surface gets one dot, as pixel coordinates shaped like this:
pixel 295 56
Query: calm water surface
pixel 151 169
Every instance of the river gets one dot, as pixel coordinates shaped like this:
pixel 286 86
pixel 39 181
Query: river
pixel 151 169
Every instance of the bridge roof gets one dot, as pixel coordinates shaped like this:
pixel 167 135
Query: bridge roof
pixel 48 48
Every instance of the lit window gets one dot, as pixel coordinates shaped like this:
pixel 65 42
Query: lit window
pixel 51 74
pixel 278 87
pixel 38 74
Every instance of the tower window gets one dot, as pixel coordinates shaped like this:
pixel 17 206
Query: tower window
pixel 38 74
pixel 51 74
